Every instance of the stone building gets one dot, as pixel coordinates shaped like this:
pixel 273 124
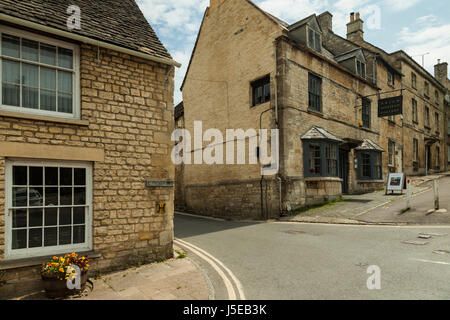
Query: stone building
pixel 250 70
pixel 414 140
pixel 85 121
pixel 179 169
pixel 441 74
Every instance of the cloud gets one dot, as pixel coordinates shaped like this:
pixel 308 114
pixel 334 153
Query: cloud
pixel 400 5
pixel 177 23
pixel 433 40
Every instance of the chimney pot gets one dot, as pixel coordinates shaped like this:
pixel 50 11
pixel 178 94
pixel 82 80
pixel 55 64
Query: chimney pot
pixel 352 17
pixel 357 16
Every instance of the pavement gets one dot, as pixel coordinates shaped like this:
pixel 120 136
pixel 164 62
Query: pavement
pixel 379 208
pixel 175 279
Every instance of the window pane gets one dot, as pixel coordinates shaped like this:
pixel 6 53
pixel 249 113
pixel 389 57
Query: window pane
pixel 65 58
pixel 19 239
pixel 50 237
pixel 79 234
pixel 11 95
pixel 65 176
pixel 65 216
pixel 65 235
pixel 48 54
pixel 79 177
pixel 266 92
pixel 65 103
pixel 35 238
pixel 10 46
pixel 51 196
pixel 10 71
pixel 36 176
pixel 30 75
pixel 20 198
pixel 35 219
pixel 20 176
pixel 48 79
pixel 30 97
pixel 48 100
pixel 65 81
pixel 51 217
pixel 51 176
pixel 317 40
pixel 36 197
pixel 311 38
pixel 19 219
pixel 79 215
pixel 65 196
pixel 79 196
pixel 30 50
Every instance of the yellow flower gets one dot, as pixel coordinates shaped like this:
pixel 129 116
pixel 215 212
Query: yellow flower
pixel 61 270
pixel 55 258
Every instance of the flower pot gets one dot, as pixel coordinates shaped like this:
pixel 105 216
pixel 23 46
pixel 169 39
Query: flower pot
pixel 56 288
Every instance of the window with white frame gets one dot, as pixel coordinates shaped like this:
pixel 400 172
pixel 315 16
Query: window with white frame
pixel 48 208
pixel 361 68
pixel 38 75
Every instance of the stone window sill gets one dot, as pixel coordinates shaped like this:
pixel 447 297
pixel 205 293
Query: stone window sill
pixel 37 261
pixel 20 115
pixel 315 112
pixel 370 181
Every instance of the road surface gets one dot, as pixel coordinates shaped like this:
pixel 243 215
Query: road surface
pixel 279 261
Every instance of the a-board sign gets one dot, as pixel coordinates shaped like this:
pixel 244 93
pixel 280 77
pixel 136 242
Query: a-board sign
pixel 396 182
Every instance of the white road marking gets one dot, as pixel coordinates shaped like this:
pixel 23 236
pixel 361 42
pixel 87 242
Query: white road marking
pixel 208 257
pixel 238 284
pixel 430 261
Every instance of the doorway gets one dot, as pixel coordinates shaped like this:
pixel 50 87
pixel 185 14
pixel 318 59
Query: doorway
pixel 428 155
pixel 344 169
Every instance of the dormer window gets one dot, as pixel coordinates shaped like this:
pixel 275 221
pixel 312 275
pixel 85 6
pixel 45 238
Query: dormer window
pixel 361 69
pixel 314 40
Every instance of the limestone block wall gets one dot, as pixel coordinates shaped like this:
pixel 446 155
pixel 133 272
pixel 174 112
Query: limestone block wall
pixel 127 104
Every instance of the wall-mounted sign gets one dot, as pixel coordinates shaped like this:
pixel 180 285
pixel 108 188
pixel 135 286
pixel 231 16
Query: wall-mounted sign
pixel 159 183
pixel 390 106
pixel 396 182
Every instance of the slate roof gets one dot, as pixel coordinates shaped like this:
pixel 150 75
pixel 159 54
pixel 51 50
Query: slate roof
pixel 320 133
pixel 118 22
pixel 369 145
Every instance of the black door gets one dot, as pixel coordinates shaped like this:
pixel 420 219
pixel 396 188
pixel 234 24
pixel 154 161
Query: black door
pixel 429 158
pixel 343 169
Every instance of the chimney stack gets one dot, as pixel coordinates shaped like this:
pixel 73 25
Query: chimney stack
pixel 355 31
pixel 441 72
pixel 326 21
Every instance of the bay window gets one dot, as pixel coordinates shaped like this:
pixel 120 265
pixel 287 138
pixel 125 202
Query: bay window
pixel 48 208
pixel 38 75
pixel 320 158
pixel 370 167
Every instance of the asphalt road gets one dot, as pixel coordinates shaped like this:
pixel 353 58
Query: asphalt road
pixel 290 261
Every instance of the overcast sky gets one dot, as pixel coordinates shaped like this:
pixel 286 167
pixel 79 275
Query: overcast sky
pixel 415 26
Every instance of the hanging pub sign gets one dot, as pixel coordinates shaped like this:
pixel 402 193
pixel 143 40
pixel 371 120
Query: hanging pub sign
pixel 390 106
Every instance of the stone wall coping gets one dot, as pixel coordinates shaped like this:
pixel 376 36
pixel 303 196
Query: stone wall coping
pixel 37 261
pixel 27 116
pixel 370 181
pixel 332 179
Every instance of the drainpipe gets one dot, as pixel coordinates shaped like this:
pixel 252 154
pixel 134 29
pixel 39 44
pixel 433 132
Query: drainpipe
pixel 279 177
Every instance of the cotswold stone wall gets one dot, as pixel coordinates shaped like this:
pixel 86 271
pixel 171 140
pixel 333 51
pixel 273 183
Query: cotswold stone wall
pixel 235 200
pixel 128 105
